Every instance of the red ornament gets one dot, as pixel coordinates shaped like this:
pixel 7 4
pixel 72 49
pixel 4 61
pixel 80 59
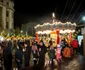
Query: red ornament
pixel 58 39
pixel 37 37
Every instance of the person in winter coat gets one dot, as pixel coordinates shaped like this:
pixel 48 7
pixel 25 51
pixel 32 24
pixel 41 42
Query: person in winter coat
pixel 47 59
pixel 42 51
pixel 51 54
pixel 7 56
pixel 1 53
pixel 75 46
pixel 35 53
pixel 58 53
pixel 18 57
pixel 27 53
pixel 82 47
pixel 63 44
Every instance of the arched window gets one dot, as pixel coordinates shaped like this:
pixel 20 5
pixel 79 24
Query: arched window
pixel 7 13
pixel 7 3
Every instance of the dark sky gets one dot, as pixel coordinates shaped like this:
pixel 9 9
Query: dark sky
pixel 30 10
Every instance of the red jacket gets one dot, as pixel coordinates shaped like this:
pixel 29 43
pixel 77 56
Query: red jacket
pixel 75 44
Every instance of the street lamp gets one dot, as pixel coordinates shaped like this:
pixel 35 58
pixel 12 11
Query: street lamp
pixel 21 31
pixel 83 18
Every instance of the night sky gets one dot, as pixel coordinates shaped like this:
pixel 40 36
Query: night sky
pixel 30 10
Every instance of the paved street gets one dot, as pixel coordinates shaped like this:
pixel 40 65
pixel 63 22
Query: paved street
pixel 77 63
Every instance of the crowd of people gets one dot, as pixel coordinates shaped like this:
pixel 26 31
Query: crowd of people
pixel 38 50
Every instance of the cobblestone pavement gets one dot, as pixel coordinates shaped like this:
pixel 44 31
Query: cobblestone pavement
pixel 77 63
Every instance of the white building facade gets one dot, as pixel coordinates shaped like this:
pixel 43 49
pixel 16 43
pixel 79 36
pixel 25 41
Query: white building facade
pixel 6 14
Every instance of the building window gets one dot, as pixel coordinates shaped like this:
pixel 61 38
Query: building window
pixel 7 13
pixel 7 3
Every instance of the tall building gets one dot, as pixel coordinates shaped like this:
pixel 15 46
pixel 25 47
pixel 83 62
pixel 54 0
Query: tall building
pixel 6 14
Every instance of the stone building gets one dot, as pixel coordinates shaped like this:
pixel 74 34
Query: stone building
pixel 6 14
